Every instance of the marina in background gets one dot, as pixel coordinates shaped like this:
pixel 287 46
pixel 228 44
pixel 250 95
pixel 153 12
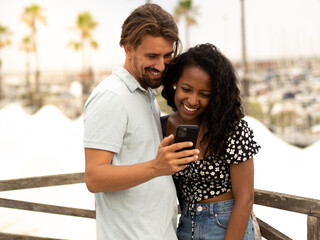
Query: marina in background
pixel 284 95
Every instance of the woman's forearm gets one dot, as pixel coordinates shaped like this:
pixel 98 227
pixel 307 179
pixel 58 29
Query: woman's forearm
pixel 239 219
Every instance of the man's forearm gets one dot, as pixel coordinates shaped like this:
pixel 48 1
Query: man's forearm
pixel 110 178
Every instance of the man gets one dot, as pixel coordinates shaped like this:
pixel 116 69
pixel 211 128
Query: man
pixel 127 166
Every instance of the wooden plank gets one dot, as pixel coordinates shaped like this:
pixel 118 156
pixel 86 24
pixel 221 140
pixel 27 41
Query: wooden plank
pixel 288 202
pixel 268 232
pixel 38 207
pixel 11 236
pixel 42 181
pixel 313 224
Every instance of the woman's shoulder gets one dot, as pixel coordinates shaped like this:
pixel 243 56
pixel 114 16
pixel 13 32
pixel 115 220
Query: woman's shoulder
pixel 241 135
pixel 168 123
pixel 243 123
pixel 242 126
pixel 164 117
pixel 241 144
pixel 164 121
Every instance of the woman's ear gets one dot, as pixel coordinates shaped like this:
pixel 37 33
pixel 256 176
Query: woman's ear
pixel 174 86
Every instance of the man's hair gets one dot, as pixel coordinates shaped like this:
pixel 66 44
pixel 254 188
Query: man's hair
pixel 149 19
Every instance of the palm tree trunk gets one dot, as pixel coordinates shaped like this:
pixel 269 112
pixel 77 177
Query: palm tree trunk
pixel 28 86
pixel 84 75
pixel 1 89
pixel 83 56
pixel 187 36
pixel 245 80
pixel 38 99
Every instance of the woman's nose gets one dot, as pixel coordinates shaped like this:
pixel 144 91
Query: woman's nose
pixel 193 99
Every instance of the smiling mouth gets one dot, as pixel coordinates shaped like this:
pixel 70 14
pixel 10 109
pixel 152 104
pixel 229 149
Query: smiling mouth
pixel 189 109
pixel 154 72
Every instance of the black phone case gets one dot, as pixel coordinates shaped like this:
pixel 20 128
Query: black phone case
pixel 186 133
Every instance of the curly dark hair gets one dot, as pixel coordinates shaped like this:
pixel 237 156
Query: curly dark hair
pixel 153 20
pixel 224 109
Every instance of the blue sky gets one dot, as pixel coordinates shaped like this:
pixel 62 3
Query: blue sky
pixel 275 29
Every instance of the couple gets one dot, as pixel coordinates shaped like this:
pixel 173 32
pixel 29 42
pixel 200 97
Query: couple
pixel 136 175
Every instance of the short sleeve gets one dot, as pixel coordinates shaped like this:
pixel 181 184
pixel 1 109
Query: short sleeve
pixel 240 145
pixel 105 121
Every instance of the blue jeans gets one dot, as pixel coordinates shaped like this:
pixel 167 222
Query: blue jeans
pixel 210 222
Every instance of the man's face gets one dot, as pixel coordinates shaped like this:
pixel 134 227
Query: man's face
pixel 148 61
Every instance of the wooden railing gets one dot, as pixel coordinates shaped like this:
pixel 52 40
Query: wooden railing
pixel 308 206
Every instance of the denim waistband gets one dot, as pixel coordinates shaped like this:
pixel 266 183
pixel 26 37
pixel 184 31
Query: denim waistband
pixel 209 208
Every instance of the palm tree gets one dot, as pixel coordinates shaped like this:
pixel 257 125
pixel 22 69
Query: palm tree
pixel 31 16
pixel 4 41
pixel 26 45
pixel 245 80
pixel 189 12
pixel 84 25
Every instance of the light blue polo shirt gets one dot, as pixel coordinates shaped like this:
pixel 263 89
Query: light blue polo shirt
pixel 122 117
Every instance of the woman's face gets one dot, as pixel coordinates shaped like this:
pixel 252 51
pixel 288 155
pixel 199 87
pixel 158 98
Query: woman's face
pixel 193 93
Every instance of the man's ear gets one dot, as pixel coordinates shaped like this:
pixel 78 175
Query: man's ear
pixel 128 50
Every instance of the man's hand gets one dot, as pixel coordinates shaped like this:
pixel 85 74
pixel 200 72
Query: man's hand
pixel 168 161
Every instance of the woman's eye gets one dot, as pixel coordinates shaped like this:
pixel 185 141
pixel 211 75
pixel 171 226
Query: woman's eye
pixel 185 89
pixel 205 95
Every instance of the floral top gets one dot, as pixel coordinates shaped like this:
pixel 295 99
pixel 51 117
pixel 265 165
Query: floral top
pixel 210 176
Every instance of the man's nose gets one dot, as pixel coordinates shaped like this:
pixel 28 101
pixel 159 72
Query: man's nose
pixel 160 65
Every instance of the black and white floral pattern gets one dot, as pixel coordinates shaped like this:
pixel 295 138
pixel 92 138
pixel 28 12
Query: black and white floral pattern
pixel 210 177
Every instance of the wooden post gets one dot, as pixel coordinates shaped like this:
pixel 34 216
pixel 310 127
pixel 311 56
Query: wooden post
pixel 313 225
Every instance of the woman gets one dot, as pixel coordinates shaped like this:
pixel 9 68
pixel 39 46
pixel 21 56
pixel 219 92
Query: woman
pixel 215 193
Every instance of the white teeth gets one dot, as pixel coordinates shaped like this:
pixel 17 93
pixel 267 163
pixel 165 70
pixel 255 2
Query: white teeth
pixel 155 73
pixel 189 109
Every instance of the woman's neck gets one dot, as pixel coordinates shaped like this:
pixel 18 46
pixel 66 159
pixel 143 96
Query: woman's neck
pixel 178 120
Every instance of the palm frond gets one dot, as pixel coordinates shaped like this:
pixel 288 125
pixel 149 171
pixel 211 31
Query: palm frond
pixel 74 45
pixel 4 36
pixel 94 44
pixel 186 9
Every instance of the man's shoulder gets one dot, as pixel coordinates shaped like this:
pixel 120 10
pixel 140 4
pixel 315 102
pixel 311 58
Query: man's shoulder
pixel 112 84
pixel 119 80
pixel 109 90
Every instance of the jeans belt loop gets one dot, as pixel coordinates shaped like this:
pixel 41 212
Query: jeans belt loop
pixel 211 209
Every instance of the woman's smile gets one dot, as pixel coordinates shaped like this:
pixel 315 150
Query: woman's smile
pixel 189 109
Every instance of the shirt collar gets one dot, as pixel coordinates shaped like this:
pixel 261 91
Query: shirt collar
pixel 131 83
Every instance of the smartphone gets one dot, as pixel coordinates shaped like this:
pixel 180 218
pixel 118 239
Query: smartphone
pixel 186 133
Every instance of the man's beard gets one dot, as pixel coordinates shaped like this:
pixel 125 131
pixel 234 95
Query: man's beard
pixel 144 79
pixel 152 83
